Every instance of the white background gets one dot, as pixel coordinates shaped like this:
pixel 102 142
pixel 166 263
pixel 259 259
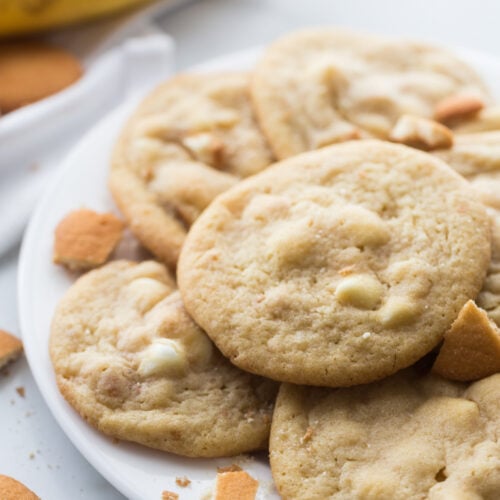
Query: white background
pixel 32 448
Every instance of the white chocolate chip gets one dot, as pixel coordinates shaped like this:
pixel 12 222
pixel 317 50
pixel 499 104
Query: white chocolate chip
pixel 361 290
pixel 163 357
pixel 363 227
pixel 398 311
pixel 366 335
pixel 145 293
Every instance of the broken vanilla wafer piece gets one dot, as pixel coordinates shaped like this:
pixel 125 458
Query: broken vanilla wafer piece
pixel 421 133
pixel 235 485
pixel 85 239
pixel 10 348
pixel 471 348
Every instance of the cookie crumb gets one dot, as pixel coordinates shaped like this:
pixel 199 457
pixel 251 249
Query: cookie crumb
pixel 32 456
pixel 21 391
pixel 235 485
pixel 169 495
pixel 183 482
pixel 229 468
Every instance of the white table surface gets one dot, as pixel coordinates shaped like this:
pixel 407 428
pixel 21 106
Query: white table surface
pixel 32 447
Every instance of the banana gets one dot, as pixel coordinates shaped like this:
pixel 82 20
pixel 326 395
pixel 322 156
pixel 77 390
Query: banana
pixel 26 16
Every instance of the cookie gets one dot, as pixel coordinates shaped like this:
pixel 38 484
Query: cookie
pixel 407 437
pixel 488 119
pixel 477 158
pixel 131 361
pixel 10 348
pixel 471 347
pixel 85 239
pixel 336 267
pixel 473 154
pixel 320 86
pixel 30 71
pixel 191 139
pixel 10 489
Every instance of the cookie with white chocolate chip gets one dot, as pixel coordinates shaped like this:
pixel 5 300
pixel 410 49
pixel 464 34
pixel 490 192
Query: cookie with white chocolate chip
pixel 131 361
pixel 322 86
pixel 336 267
pixel 407 437
pixel 191 139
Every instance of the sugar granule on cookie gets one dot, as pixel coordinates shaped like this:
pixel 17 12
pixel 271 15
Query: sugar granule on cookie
pixel 11 489
pixel 10 348
pixel 235 485
pixel 85 239
pixel 471 348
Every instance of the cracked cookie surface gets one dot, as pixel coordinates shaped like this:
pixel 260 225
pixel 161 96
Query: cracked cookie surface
pixel 407 437
pixel 321 86
pixel 189 140
pixel 336 267
pixel 132 362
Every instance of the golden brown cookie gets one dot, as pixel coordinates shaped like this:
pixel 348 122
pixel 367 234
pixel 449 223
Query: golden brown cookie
pixel 85 239
pixel 321 86
pixel 131 361
pixel 191 139
pixel 336 267
pixel 407 437
pixel 476 156
pixel 30 71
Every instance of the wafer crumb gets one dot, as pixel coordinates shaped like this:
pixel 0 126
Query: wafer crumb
pixel 183 482
pixel 21 391
pixel 169 495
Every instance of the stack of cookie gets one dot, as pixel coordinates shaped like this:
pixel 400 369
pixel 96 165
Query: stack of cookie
pixel 343 266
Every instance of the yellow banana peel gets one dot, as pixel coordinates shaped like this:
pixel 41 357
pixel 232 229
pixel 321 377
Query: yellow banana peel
pixel 27 16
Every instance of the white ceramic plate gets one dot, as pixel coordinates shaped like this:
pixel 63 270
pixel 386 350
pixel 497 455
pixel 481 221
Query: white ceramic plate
pixel 138 472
